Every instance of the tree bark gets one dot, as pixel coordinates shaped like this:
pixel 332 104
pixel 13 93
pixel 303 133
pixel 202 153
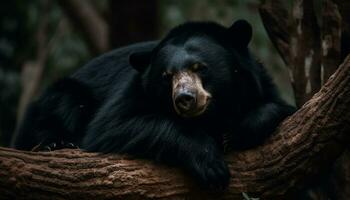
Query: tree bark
pixel 305 51
pixel 331 39
pixel 305 145
pixel 277 24
pixel 333 47
pixel 311 51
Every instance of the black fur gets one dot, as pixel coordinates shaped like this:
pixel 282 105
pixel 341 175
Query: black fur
pixel 108 106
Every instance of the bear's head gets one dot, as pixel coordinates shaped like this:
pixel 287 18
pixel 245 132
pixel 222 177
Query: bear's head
pixel 198 68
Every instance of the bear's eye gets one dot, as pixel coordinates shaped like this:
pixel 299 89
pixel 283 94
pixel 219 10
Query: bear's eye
pixel 199 67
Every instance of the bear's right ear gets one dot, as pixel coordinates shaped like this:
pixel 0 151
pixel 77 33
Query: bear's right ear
pixel 140 60
pixel 241 33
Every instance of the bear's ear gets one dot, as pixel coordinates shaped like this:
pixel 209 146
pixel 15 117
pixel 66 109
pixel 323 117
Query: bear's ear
pixel 140 60
pixel 241 33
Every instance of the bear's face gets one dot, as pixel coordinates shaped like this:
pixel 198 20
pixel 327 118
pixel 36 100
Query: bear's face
pixel 192 70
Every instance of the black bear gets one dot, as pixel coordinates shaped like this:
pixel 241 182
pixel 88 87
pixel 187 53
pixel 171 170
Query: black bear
pixel 176 101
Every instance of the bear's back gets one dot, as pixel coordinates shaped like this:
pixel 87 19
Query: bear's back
pixel 110 69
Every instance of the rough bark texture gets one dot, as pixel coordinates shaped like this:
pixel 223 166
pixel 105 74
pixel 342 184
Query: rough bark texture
pixel 340 178
pixel 305 51
pixel 311 51
pixel 305 145
pixel 312 60
pixel 277 24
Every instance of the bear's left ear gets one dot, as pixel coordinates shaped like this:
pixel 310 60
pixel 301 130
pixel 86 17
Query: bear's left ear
pixel 140 60
pixel 241 33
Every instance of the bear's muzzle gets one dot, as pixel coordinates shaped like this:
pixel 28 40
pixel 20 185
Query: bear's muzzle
pixel 189 97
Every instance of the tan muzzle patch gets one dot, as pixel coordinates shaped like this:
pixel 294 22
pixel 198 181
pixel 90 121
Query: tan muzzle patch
pixel 189 97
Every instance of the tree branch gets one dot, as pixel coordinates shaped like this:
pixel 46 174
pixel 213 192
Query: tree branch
pixel 305 145
pixel 276 21
pixel 311 61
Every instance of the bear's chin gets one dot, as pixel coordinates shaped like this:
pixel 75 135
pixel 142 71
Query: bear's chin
pixel 197 112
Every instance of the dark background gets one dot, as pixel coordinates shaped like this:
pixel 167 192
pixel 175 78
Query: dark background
pixel 44 40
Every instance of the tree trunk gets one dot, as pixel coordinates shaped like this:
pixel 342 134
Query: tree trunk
pixel 305 47
pixel 132 21
pixel 305 145
pixel 312 50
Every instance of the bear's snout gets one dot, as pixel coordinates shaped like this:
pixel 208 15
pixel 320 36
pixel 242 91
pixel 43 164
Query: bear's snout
pixel 190 99
pixel 185 101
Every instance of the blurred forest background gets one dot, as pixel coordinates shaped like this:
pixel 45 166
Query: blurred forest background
pixel 44 40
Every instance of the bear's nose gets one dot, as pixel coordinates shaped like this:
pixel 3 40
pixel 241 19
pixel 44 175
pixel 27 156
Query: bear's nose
pixel 185 101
